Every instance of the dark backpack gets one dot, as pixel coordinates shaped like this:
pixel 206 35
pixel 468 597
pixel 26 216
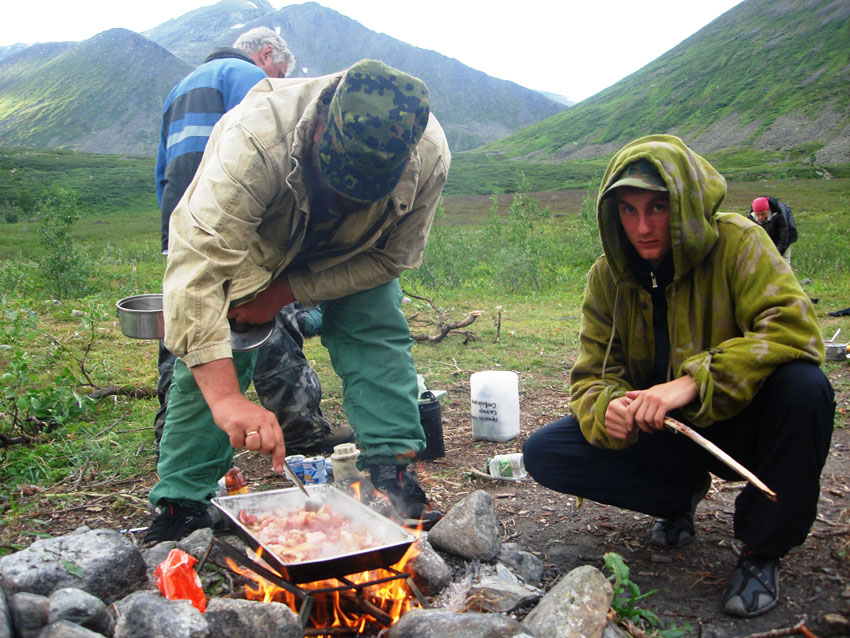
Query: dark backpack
pixel 785 210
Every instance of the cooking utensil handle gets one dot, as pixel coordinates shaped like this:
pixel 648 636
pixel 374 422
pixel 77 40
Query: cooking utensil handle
pixel 294 477
pixel 704 443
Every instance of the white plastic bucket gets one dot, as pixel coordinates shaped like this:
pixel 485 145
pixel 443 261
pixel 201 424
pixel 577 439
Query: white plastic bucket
pixel 495 405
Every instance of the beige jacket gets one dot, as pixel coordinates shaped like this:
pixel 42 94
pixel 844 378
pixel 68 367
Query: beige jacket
pixel 244 217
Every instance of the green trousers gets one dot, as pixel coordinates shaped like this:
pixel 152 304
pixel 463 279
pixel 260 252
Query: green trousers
pixel 368 339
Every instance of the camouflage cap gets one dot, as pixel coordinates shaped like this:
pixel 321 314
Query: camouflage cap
pixel 640 174
pixel 377 115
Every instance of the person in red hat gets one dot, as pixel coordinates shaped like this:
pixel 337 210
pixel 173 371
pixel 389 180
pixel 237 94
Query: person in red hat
pixel 774 224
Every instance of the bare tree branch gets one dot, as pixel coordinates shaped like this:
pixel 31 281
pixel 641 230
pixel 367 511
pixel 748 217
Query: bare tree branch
pixel 444 327
pixel 127 391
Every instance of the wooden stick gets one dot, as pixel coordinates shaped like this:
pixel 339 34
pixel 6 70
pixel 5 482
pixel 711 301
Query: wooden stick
pixel 704 443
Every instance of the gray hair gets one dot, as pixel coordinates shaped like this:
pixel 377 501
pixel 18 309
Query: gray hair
pixel 257 39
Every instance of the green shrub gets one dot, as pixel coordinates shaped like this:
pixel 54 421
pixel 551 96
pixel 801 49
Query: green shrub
pixel 10 212
pixel 61 261
pixel 28 407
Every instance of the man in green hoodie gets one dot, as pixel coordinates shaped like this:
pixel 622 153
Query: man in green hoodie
pixel 692 313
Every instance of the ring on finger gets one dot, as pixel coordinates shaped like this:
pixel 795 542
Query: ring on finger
pixel 247 434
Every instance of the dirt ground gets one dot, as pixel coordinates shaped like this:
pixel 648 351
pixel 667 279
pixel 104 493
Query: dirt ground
pixel 815 578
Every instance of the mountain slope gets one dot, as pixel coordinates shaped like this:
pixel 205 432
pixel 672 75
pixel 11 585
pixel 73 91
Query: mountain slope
pixel 473 107
pixel 193 35
pixel 768 74
pixel 103 95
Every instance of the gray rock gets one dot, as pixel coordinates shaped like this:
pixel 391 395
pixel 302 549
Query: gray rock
pixel 101 562
pixel 500 595
pixel 30 613
pixel 227 618
pixel 430 572
pixel 440 623
pixel 576 607
pixel 81 608
pixel 149 615
pixel 197 543
pixel 5 618
pixel 524 564
pixel 154 555
pixel 67 629
pixel 470 529
pixel 613 631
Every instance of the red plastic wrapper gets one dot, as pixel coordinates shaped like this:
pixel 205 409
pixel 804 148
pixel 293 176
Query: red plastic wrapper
pixel 176 580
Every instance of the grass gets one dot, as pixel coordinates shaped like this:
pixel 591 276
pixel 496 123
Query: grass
pixel 531 330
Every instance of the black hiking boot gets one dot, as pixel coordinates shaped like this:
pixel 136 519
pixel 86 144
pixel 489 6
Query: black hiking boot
pixel 404 492
pixel 753 588
pixel 679 530
pixel 175 521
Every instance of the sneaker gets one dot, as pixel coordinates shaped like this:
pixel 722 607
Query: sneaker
pixel 754 586
pixel 679 530
pixel 341 433
pixel 176 521
pixel 405 494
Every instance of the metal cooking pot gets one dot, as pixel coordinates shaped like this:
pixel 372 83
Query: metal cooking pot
pixel 141 317
pixel 835 351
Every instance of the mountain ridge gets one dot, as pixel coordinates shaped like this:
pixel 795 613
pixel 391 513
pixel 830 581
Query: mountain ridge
pixel 41 107
pixel 768 74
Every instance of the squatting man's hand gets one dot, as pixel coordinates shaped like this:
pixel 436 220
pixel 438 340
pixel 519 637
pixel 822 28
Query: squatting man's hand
pixel 646 409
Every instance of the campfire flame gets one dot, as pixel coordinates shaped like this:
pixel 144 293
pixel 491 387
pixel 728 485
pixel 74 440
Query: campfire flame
pixel 347 607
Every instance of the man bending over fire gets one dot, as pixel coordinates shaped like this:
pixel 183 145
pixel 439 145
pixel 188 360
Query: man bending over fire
pixel 317 190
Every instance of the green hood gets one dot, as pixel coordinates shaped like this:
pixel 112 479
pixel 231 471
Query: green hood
pixel 696 192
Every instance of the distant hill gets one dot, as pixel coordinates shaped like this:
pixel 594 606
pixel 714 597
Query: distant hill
pixel 194 34
pixel 767 75
pixel 473 107
pixel 105 94
pixel 560 99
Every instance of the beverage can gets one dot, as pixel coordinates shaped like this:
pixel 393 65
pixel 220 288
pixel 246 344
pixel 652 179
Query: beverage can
pixel 314 470
pixel 509 466
pixel 296 462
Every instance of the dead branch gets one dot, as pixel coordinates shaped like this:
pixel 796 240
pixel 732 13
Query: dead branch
pixel 799 629
pixel 446 328
pixel 443 326
pixel 7 441
pixel 127 391
pixel 633 629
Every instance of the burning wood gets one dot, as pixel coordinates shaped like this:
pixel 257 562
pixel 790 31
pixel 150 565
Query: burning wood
pixel 350 605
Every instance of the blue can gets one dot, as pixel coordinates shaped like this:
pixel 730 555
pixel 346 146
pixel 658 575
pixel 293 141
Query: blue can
pixel 314 470
pixel 296 462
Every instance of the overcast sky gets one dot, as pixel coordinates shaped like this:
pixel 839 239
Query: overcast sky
pixel 574 48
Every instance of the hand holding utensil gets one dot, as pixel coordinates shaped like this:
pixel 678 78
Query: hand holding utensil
pixel 311 504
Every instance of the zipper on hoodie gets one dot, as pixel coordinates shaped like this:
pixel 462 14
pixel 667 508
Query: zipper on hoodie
pixel 654 280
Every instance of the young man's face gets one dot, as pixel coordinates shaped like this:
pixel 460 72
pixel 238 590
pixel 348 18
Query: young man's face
pixel 645 216
pixel 761 215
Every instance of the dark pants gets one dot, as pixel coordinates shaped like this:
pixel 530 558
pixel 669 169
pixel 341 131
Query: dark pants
pixel 284 381
pixel 783 436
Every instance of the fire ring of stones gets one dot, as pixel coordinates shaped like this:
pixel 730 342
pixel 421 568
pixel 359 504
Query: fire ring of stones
pixel 100 583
